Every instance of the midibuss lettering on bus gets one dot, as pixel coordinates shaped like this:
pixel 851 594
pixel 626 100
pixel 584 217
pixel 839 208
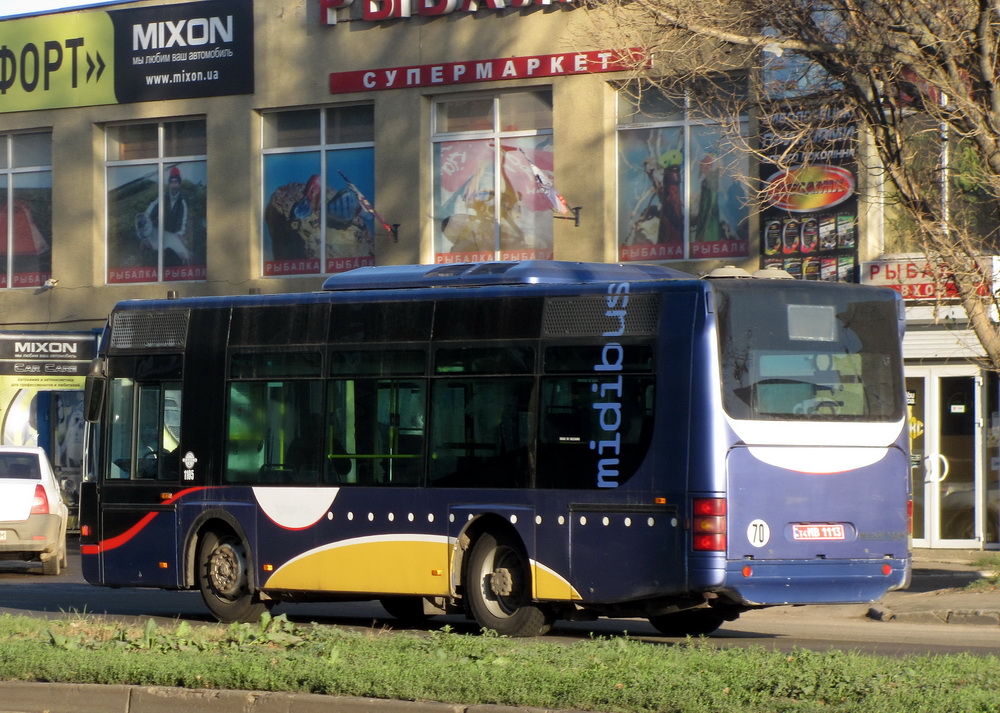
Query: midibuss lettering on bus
pixel 610 411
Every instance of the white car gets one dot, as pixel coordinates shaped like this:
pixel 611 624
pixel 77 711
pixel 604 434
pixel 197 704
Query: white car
pixel 32 512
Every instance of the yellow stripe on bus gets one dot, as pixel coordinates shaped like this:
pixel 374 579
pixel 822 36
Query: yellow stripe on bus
pixel 388 565
pixel 378 565
pixel 550 585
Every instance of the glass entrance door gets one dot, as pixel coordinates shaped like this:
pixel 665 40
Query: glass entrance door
pixel 946 451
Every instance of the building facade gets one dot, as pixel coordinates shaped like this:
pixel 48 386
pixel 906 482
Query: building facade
pixel 227 146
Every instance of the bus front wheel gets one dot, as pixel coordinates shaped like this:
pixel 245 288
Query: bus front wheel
pixel 224 579
pixel 694 622
pixel 498 588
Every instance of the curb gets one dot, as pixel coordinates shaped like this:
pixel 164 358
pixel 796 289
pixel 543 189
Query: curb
pixel 937 616
pixel 24 697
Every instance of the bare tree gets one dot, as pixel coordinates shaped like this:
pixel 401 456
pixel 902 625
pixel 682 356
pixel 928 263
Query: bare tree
pixel 917 77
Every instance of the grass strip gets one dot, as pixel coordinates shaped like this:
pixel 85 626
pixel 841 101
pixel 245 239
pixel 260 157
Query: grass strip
pixel 614 674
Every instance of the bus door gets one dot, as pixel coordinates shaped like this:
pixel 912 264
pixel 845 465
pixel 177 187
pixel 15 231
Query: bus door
pixel 140 479
pixel 945 405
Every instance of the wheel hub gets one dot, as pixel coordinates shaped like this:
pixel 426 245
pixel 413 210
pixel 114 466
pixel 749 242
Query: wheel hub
pixel 224 571
pixel 501 583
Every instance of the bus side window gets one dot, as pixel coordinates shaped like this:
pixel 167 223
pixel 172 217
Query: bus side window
pixel 481 432
pixel 577 412
pixel 376 431
pixel 275 432
pixel 145 432
pixel 120 406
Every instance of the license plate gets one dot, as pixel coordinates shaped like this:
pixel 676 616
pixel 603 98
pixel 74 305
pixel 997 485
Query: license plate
pixel 3 535
pixel 818 532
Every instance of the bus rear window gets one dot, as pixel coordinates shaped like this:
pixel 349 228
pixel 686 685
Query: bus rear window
pixel 815 353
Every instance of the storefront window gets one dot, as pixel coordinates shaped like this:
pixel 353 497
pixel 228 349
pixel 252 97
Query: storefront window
pixel 488 203
pixel 319 169
pixel 680 183
pixel 25 209
pixel 157 190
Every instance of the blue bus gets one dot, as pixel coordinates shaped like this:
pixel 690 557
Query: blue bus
pixel 520 442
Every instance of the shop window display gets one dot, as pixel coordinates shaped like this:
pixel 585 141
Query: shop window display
pixel 25 209
pixel 319 168
pixel 681 192
pixel 489 203
pixel 157 187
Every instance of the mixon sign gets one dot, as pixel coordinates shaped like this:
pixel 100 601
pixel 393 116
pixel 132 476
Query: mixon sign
pixel 46 354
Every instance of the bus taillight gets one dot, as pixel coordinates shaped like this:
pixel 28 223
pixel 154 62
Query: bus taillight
pixel 909 517
pixel 709 525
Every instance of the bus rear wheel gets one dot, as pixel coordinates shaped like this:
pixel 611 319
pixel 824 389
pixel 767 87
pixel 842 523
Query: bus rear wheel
pixel 694 622
pixel 224 579
pixel 498 587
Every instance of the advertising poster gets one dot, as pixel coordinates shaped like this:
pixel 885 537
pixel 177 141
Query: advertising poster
pixel 157 210
pixel 39 361
pixel 675 207
pixel 472 224
pixel 88 58
pixel 26 229
pixel 809 226
pixel 310 228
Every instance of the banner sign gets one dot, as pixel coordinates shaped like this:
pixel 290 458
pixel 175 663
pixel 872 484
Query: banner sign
pixel 379 10
pixel 49 360
pixel 809 223
pixel 153 53
pixel 486 70
pixel 919 279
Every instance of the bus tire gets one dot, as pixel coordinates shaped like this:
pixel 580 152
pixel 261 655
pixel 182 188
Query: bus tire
pixel 498 587
pixel 409 610
pixel 224 578
pixel 694 622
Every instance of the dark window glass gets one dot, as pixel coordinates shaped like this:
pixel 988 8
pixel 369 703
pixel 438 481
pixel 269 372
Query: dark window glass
pixel 588 358
pixel 481 433
pixel 485 360
pixel 350 124
pixel 269 365
pixel 514 318
pixel 18 465
pixel 298 324
pixel 381 322
pixel 594 431
pixel 380 363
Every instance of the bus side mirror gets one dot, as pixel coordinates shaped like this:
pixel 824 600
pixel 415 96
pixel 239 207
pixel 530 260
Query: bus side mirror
pixel 93 397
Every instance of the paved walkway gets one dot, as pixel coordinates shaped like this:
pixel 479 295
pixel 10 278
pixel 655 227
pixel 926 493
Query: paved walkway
pixel 938 593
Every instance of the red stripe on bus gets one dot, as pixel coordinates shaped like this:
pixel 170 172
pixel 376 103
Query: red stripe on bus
pixel 121 539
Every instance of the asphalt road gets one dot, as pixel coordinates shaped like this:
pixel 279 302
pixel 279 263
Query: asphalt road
pixel 24 590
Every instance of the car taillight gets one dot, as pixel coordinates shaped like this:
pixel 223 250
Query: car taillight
pixel 708 527
pixel 40 503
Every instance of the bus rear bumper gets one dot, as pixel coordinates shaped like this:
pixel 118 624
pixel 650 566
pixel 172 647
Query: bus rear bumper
pixel 759 583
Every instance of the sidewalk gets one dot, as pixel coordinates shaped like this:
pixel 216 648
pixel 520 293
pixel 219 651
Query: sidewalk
pixel 937 594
